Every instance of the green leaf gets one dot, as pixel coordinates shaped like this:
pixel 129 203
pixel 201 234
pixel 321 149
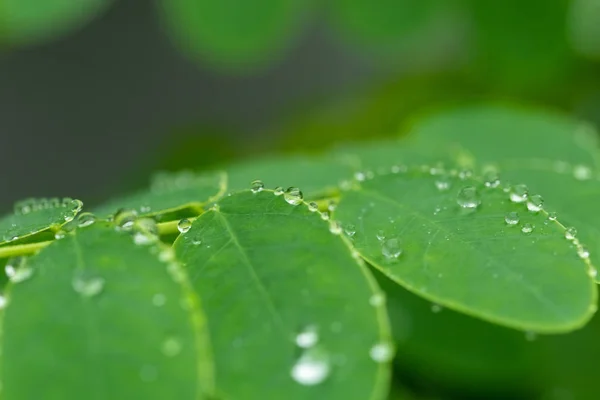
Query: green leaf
pixel 24 22
pixel 101 318
pixel 33 216
pixel 170 192
pixel 316 177
pixel 267 271
pixel 454 247
pixel 584 30
pixel 235 33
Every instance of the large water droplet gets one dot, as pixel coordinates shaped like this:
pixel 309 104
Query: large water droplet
pixel 184 225
pixel 171 346
pixel 278 191
pixel 468 197
pixel 85 219
pixel 518 193
pixel 527 228
pixel 391 249
pixel 87 286
pixel 293 196
pixel 382 352
pixel 571 233
pixel 257 186
pixel 312 368
pixel 512 218
pixel 308 337
pixel 535 203
pixel 125 218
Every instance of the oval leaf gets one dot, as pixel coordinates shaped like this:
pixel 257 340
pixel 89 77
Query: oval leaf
pixel 454 247
pixel 100 317
pixel 283 293
pixel 33 216
pixel 170 192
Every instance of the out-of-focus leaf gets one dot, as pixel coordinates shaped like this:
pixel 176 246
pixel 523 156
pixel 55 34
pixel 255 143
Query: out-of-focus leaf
pixel 100 317
pixel 33 216
pixel 170 192
pixel 584 29
pixel 447 240
pixel 236 33
pixel 290 312
pixel 24 22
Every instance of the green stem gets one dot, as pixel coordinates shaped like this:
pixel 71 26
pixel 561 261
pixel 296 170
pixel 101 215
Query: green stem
pixel 22 249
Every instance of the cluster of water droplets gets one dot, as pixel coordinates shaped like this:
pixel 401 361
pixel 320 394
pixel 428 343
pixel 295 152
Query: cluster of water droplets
pixel 313 365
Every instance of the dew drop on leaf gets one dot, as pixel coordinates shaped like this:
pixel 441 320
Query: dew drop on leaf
pixel 325 215
pixel 491 179
pixel 171 346
pixel 360 176
pixel 380 235
pixel 518 193
pixel 512 218
pixel 468 197
pixel 184 225
pixel 335 227
pixel 535 203
pixel 257 186
pixel 583 253
pixel 377 299
pixel 60 234
pixel 196 241
pixel 145 231
pixel 350 230
pixel 278 191
pixel 125 218
pixel 391 249
pixel 582 173
pixel 293 196
pixel 571 233
pixel 442 183
pixel 87 286
pixel 527 228
pixel 308 337
pixel 85 219
pixel 382 352
pixel 313 207
pixel 552 216
pixel 312 368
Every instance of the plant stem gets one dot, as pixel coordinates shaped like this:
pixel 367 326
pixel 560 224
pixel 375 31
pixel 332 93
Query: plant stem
pixel 22 249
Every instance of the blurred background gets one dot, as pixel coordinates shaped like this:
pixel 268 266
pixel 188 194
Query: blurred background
pixel 97 94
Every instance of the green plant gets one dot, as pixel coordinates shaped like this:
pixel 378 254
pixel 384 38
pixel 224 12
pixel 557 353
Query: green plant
pixel 207 286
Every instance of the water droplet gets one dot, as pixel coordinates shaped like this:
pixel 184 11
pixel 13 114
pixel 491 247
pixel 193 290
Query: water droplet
pixel 552 216
pixel 527 228
pixel 512 218
pixel 3 302
pixel 257 186
pixel 391 249
pixel 360 176
pixel 491 179
pixel 335 227
pixel 518 193
pixel 442 183
pixel 60 234
pixel 380 235
pixel 85 219
pixel 465 174
pixel 184 225
pixel 196 241
pixel 535 203
pixel 312 368
pixel 571 233
pixel 582 173
pixel 377 299
pixel 87 286
pixel 331 206
pixel 148 373
pixel 171 346
pixel 350 230
pixel 145 231
pixel 583 253
pixel 278 191
pixel 308 337
pixel 313 207
pixel 125 218
pixel 593 273
pixel 382 352
pixel 436 308
pixel 293 196
pixel 145 209
pixel 325 215
pixel 468 197
pixel 159 299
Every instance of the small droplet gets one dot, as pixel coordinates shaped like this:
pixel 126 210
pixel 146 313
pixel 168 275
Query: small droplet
pixel 468 197
pixel 582 173
pixel 465 174
pixel 382 352
pixel 312 368
pixel 196 241
pixel 518 194
pixel 350 230
pixel 535 203
pixel 325 215
pixel 145 231
pixel 377 299
pixel 159 299
pixel 391 249
pixel 171 346
pixel 85 219
pixel 331 206
pixel 583 253
pixel 552 216
pixel 125 218
pixel 527 228
pixel 436 308
pixel 380 235
pixel 592 273
pixel 60 234
pixel 571 233
pixel 491 179
pixel 278 191
pixel 257 186
pixel 3 302
pixel 512 218
pixel 335 227
pixel 313 207
pixel 360 176
pixel 308 337
pixel 145 209
pixel 442 183
pixel 184 225
pixel 293 196
pixel 87 286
